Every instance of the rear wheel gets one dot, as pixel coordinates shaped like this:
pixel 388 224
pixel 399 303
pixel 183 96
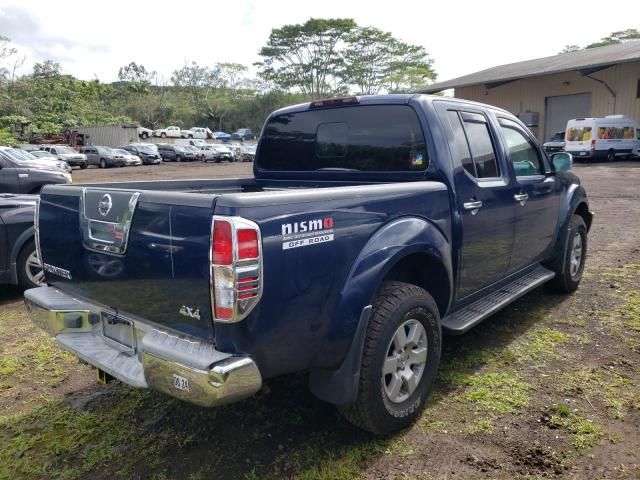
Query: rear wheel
pixel 611 156
pixel 84 166
pixel 145 135
pixel 178 158
pixel 568 279
pixel 399 361
pixel 29 267
pixel 163 135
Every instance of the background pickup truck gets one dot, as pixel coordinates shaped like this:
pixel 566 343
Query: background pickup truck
pixel 372 225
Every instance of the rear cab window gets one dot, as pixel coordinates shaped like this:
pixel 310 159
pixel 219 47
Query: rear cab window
pixel 370 138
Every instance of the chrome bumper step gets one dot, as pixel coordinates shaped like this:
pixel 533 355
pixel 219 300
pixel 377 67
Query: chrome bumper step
pixel 184 367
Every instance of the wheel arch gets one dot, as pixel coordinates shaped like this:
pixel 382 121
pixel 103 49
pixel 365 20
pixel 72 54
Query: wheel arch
pixel 397 251
pixel 17 247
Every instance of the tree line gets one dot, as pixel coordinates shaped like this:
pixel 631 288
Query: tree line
pixel 300 62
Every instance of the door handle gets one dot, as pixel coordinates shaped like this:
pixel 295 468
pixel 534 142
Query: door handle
pixel 521 197
pixel 473 206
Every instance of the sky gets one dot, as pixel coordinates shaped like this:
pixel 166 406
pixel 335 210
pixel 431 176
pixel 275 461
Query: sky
pixel 92 39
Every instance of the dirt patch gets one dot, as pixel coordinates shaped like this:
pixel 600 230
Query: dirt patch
pixel 547 388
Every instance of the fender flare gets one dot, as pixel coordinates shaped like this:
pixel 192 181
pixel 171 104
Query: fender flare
pixel 575 197
pixel 20 242
pixel 390 244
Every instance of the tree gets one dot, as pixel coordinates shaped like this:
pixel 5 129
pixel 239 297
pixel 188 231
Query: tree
pixel 570 48
pixel 305 57
pixel 6 51
pixel 617 37
pixel 138 76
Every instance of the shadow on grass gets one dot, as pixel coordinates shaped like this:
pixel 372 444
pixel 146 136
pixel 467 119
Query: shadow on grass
pixel 117 432
pixel 10 294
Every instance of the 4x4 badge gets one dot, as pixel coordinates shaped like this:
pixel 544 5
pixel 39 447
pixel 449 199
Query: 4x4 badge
pixel 105 204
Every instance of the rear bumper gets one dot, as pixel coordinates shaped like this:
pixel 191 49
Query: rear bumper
pixel 155 360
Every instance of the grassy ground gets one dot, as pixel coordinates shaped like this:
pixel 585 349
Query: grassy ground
pixel 546 388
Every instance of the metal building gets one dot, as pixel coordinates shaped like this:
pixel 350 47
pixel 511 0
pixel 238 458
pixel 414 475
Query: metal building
pixel 546 92
pixel 109 135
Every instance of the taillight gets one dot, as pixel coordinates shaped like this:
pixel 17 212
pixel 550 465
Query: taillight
pixel 236 268
pixel 593 144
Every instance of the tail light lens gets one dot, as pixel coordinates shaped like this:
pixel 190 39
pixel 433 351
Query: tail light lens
pixel 236 268
pixel 593 144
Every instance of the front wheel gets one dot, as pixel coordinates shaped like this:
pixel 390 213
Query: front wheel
pixel 163 135
pixel 568 278
pixel 178 158
pixel 399 361
pixel 103 163
pixel 145 135
pixel 30 273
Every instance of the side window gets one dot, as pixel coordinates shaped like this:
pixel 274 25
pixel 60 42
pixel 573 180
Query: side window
pixel 4 163
pixel 523 155
pixel 460 146
pixel 482 151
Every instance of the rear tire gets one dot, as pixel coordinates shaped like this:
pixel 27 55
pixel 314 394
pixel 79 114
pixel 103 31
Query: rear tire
pixel 84 166
pixel 400 359
pixel 567 280
pixel 163 135
pixel 611 156
pixel 178 158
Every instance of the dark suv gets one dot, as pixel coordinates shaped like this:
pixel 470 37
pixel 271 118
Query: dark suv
pixel 175 153
pixel 243 134
pixel 28 176
pixel 147 152
pixel 103 157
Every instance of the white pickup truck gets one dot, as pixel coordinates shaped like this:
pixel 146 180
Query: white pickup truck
pixel 197 132
pixel 171 131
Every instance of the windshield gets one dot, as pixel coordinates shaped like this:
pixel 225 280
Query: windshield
pixel 578 134
pixel 148 149
pixel 65 151
pixel 558 137
pixel 20 154
pixel 367 138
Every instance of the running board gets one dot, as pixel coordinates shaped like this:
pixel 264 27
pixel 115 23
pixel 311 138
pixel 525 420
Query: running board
pixel 462 320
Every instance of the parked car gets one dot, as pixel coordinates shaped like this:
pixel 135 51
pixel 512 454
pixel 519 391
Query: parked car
pixel 172 131
pixel 66 154
pixel 147 152
pixel 374 225
pixel 103 157
pixel 129 158
pixel 197 132
pixel 221 136
pixel 555 144
pixel 247 153
pixel 607 138
pixel 18 175
pixel 243 134
pixel 236 151
pixel 175 153
pixel 216 153
pixel 39 155
pixel 19 260
pixel 144 132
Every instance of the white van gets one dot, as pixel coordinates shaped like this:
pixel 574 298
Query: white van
pixel 611 137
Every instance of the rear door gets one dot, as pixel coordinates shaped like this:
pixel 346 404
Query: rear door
pixel 484 200
pixel 536 196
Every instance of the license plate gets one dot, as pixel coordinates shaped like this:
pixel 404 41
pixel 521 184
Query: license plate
pixel 181 383
pixel 119 330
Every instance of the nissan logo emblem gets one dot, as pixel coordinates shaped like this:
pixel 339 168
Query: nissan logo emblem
pixel 105 204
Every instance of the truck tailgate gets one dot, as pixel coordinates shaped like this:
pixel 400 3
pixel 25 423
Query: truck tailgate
pixel 139 254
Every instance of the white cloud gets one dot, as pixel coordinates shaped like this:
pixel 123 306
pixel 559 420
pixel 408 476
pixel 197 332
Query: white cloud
pixel 95 38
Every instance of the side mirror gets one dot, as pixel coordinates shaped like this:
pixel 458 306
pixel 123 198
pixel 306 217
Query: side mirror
pixel 561 162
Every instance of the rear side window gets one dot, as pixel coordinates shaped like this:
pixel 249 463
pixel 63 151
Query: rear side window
pixel 459 145
pixel 482 151
pixel 367 138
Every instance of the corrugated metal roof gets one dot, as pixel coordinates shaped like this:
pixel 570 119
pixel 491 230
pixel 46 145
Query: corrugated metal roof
pixel 592 58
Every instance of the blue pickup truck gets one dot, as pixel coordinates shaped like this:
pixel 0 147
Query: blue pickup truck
pixel 371 226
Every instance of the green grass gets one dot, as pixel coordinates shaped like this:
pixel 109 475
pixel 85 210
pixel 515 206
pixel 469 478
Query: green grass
pixel 585 432
pixel 502 392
